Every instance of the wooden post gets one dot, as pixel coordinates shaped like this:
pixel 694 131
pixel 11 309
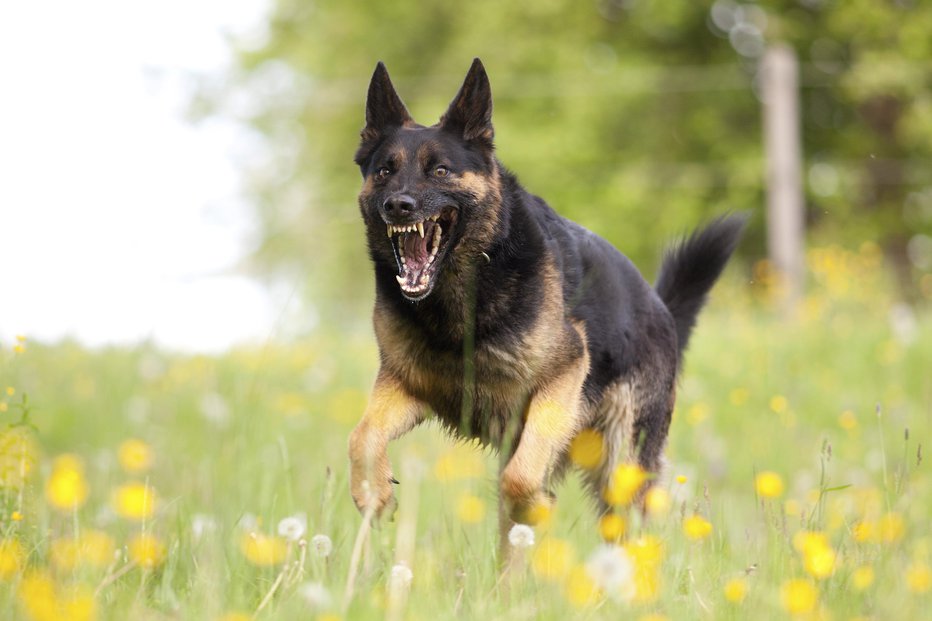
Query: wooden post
pixel 779 72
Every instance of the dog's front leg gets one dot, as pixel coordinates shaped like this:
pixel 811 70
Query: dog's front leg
pixel 391 412
pixel 553 417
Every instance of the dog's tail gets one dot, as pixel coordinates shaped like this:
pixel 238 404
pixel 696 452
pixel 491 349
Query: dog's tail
pixel 691 267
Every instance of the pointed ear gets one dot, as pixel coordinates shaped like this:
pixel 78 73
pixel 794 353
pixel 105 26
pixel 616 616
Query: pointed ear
pixel 384 108
pixel 470 112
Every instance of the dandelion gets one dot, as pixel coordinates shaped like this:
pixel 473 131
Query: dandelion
pixel 293 528
pixel 847 420
pixel 552 558
pixel 10 391
pixel 918 577
pixel 135 501
pixel 400 577
pixel 315 595
pixel 891 527
pixel 37 596
pixel 657 501
pixel 201 524
pixel 322 545
pixel 581 590
pixel 263 550
pixel 735 590
pixel 521 536
pixel 681 479
pixel 863 531
pixel 459 463
pixel 146 550
pixel 624 484
pixel 799 597
pixel 11 558
pixel 93 548
pixel 696 527
pixel 612 527
pixel 646 553
pixel 134 456
pixel 778 403
pixel 768 484
pixel 470 509
pixel 586 449
pixel 16 516
pixel 862 577
pixel 611 569
pixel 66 489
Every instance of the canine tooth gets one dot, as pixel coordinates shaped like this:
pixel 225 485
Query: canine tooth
pixel 403 261
pixel 389 230
pixel 420 229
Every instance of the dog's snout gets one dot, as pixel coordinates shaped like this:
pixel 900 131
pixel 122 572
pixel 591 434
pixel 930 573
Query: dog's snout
pixel 398 205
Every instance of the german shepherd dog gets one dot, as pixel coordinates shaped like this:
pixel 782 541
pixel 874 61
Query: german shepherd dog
pixel 506 322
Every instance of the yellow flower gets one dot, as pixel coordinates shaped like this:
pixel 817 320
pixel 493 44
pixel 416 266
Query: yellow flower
pixel 624 484
pixel 460 462
pixel 263 550
pixel 799 597
pixel 11 558
pixel 135 456
pixel 891 527
pixel 66 489
pixel 697 413
pixel 654 616
pixel 696 527
pixel 552 558
pixel 862 577
pixel 778 404
pixel 739 396
pixel 919 577
pixel 94 549
pixel 735 590
pixel 146 550
pixel 10 391
pixel 37 596
pixel 235 616
pixel 581 591
pixel 470 509
pixel 18 454
pixel 863 531
pixel 612 527
pixel 768 484
pixel 847 420
pixel 586 449
pixel 646 553
pixel 806 540
pixel 135 501
pixel 819 562
pixel 657 501
pixel 681 479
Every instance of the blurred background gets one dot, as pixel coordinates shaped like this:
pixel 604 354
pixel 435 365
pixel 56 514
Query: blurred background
pixel 184 173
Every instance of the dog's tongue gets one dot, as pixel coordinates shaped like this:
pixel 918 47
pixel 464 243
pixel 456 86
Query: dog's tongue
pixel 415 249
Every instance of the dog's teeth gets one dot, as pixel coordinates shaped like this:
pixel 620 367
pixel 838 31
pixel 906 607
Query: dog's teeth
pixel 401 281
pixel 435 217
pixel 420 229
pixel 423 279
pixel 403 261
pixel 389 230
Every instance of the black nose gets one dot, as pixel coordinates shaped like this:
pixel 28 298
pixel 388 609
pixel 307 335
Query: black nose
pixel 398 205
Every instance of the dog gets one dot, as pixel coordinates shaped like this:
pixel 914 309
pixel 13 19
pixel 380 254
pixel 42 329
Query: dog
pixel 506 322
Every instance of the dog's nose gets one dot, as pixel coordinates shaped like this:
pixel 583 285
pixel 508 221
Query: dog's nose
pixel 398 205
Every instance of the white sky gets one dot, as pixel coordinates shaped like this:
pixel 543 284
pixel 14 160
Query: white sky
pixel 120 221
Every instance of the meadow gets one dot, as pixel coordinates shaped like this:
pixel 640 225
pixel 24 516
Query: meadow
pixel 140 484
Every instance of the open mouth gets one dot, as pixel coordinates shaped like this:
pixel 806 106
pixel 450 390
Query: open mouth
pixel 419 249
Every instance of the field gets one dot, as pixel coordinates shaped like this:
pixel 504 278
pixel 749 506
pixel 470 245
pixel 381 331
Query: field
pixel 140 484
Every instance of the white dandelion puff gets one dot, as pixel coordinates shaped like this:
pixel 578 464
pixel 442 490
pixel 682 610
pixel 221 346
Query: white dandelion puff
pixel 322 545
pixel 521 536
pixel 401 577
pixel 315 595
pixel 293 527
pixel 201 524
pixel 611 570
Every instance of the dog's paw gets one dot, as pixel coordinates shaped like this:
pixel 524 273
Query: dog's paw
pixel 524 504
pixel 379 499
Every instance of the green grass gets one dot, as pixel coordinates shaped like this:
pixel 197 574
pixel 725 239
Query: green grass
pixel 263 432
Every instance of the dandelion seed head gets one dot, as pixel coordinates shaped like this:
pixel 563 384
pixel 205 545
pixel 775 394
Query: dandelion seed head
pixel 521 536
pixel 400 577
pixel 293 527
pixel 611 570
pixel 322 545
pixel 315 595
pixel 201 524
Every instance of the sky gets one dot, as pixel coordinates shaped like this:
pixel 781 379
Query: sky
pixel 121 220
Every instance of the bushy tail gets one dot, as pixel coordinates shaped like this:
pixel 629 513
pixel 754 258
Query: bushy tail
pixel 691 267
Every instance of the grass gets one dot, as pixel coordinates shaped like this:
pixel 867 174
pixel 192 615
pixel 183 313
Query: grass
pixel 232 444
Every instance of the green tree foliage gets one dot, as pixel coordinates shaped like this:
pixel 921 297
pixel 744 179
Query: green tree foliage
pixel 638 119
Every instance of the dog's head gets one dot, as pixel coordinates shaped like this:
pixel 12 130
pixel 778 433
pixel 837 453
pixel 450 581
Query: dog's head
pixel 430 195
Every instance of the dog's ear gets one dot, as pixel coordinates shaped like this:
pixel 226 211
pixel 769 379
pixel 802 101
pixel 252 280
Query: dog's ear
pixel 470 112
pixel 384 108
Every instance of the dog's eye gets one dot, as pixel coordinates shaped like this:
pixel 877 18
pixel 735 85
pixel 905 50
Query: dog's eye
pixel 441 171
pixel 383 172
